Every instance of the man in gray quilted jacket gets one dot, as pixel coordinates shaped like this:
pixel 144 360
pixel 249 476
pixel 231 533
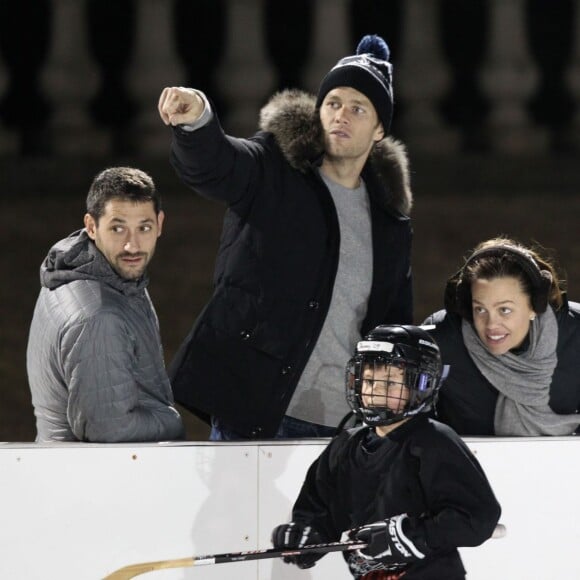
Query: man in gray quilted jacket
pixel 94 359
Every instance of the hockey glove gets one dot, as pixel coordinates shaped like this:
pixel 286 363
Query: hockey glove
pixel 297 535
pixel 387 543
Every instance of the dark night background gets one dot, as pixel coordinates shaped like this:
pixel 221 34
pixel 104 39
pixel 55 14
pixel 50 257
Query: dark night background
pixel 471 177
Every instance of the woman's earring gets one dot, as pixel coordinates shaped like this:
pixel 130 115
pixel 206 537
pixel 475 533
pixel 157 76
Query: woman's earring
pixel 533 317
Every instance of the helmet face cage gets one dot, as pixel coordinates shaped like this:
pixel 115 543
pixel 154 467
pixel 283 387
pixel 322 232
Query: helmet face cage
pixel 385 387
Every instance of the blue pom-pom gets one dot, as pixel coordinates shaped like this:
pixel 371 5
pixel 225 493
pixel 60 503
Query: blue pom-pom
pixel 375 45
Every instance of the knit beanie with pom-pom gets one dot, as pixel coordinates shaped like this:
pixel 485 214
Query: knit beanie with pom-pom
pixel 369 72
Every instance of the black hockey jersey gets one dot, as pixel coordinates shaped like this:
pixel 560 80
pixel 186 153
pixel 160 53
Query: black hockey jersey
pixel 422 468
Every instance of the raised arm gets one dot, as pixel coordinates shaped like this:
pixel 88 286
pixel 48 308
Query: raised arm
pixel 179 105
pixel 215 165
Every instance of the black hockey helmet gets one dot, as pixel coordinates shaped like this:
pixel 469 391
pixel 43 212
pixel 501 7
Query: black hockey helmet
pixel 409 348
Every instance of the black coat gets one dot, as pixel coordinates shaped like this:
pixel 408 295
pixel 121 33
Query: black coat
pixel 277 261
pixel 467 399
pixel 422 468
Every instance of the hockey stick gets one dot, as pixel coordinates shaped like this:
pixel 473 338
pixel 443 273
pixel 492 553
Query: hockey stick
pixel 499 532
pixel 133 570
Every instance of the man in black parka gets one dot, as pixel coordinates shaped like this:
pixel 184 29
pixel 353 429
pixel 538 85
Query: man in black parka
pixel 315 248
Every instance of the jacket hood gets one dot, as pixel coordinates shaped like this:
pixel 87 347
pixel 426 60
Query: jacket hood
pixel 77 258
pixel 292 118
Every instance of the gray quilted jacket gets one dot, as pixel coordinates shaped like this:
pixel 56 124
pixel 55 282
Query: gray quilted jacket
pixel 94 359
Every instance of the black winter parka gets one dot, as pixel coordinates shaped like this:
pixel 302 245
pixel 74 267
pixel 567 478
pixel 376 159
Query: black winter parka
pixel 277 260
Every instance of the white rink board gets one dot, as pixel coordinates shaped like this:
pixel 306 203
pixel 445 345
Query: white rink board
pixel 81 511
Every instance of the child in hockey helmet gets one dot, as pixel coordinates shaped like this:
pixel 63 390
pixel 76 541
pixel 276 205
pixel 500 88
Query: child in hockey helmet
pixel 404 484
pixel 394 374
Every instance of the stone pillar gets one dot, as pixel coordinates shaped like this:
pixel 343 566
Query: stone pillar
pixel 155 66
pixel 509 79
pixel 421 80
pixel 245 77
pixel 71 79
pixel 331 40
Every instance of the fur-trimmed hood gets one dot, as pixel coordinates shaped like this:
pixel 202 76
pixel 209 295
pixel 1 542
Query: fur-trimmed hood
pixel 291 116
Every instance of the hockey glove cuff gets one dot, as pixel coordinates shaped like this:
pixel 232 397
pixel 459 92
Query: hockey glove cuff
pixel 297 535
pixel 388 543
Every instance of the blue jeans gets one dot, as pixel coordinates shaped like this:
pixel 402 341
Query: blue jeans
pixel 290 428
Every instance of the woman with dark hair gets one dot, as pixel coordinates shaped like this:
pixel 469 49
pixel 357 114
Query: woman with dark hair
pixel 512 341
